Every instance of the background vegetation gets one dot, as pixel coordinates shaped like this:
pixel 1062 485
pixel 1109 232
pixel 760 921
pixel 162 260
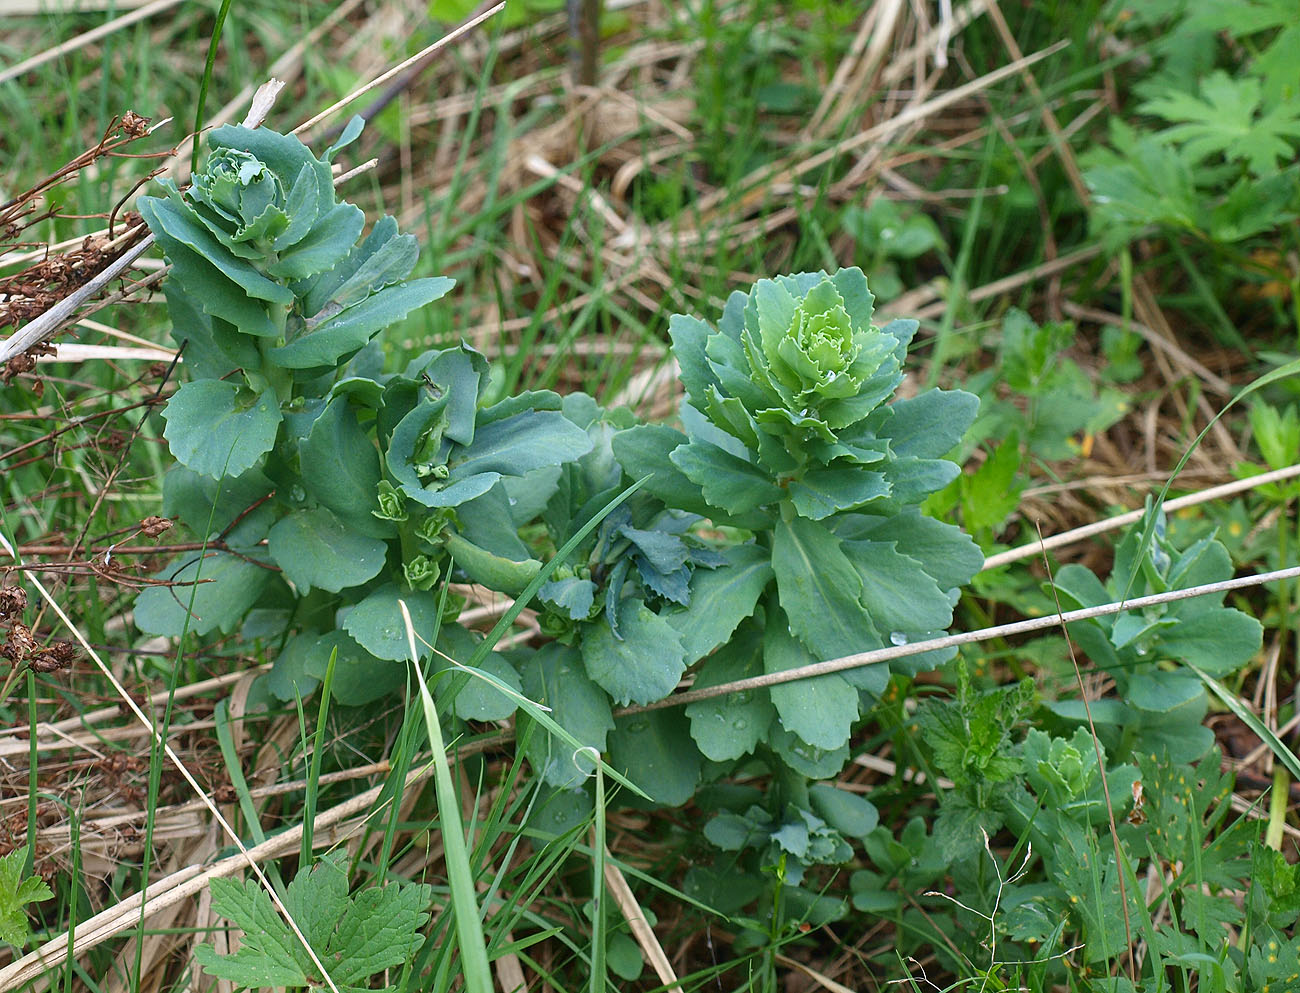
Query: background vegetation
pixel 1091 209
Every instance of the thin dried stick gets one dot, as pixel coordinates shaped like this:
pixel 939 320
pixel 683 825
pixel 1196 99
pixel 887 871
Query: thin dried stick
pixel 384 77
pixel 84 39
pixel 635 917
pixel 860 659
pixel 1121 520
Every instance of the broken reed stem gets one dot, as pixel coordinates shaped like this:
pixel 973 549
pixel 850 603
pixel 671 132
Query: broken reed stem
pixel 862 659
pixel 1037 546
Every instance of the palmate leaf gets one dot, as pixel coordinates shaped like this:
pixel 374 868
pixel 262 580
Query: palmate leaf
pixel 15 893
pixel 1228 119
pixel 355 937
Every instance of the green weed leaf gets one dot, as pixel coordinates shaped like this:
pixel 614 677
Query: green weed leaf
pixel 356 937
pixel 15 893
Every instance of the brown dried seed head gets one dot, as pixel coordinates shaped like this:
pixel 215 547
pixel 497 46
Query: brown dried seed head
pixel 154 526
pixel 59 655
pixel 134 124
pixel 19 645
pixel 13 601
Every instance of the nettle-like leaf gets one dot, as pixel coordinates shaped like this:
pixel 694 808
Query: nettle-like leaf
pixel 1230 118
pixel 355 936
pixel 15 893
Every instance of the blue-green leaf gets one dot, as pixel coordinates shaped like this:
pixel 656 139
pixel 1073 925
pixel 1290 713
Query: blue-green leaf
pixel 822 492
pixel 554 677
pixel 316 549
pixel 931 425
pixel 340 465
pixel 229 586
pixel 727 482
pixel 655 751
pixel 720 599
pixel 821 710
pixel 730 726
pixel 820 591
pixel 348 331
pixel 897 592
pixel 376 622
pixel 520 444
pixel 219 430
pixel 641 666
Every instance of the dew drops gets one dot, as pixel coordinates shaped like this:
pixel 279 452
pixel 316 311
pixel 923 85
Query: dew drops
pixel 898 638
pixel 740 724
pixel 638 727
pixel 297 493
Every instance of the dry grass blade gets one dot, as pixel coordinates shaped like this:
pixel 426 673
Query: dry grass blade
pixel 861 659
pixel 442 42
pixel 180 766
pixel 641 932
pixel 87 38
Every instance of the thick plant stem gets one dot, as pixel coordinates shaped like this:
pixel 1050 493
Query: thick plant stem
pixel 584 40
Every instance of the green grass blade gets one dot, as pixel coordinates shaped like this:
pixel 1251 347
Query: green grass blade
pixel 460 875
pixel 313 770
pixel 1276 745
pixel 213 45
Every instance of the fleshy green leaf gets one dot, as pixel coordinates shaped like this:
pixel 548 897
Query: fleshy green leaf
pixel 931 425
pixel 350 330
pixel 822 492
pixel 1218 642
pixel 846 812
pixel 340 466
pixel 316 549
pixel 655 751
pixel 376 622
pixel 821 711
pixel 727 727
pixel 554 677
pixel 727 482
pixel 819 590
pixel 227 587
pixel 520 444
pixel 219 430
pixel 720 599
pixel 896 590
pixel 642 665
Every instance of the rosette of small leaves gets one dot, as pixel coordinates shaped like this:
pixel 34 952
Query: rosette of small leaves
pixel 269 283
pixel 789 435
pixel 1158 703
pixel 630 609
